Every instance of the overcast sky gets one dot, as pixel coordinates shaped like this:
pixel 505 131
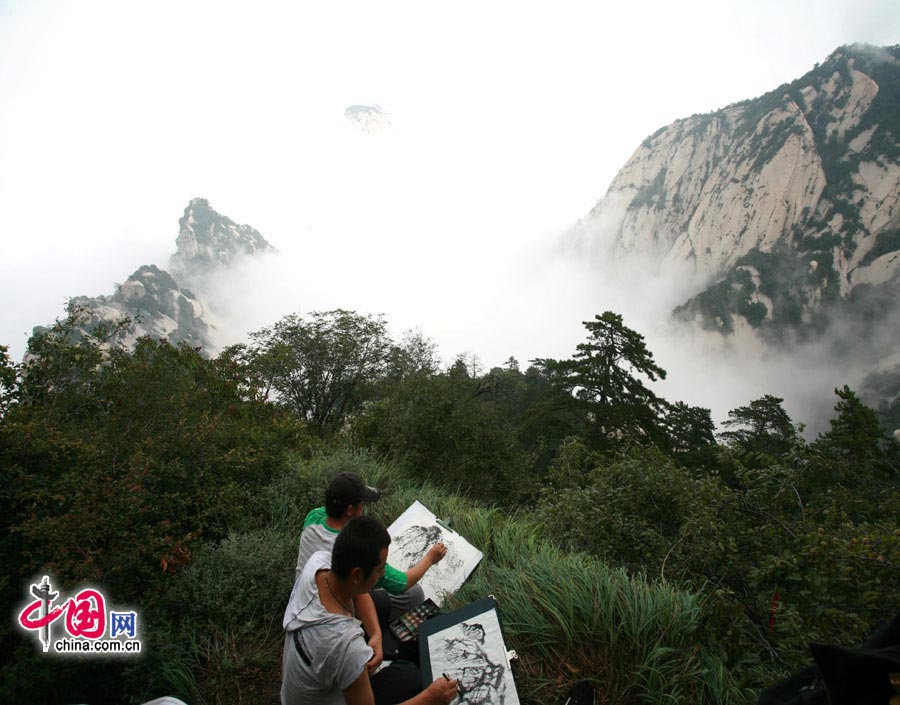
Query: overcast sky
pixel 509 120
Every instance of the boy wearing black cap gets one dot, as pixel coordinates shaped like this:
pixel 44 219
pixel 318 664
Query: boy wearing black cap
pixel 345 499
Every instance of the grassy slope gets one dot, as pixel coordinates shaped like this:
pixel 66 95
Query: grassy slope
pixel 568 616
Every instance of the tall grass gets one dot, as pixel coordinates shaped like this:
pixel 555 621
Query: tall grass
pixel 576 618
pixel 568 616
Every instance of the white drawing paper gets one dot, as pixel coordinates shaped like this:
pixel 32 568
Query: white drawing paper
pixel 473 653
pixel 413 533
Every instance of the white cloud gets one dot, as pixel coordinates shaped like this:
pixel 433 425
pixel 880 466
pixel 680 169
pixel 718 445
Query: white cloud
pixel 509 121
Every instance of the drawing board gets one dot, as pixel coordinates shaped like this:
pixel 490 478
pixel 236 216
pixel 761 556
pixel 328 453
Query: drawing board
pixel 467 645
pixel 417 530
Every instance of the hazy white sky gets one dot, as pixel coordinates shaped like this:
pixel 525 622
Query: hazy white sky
pixel 509 121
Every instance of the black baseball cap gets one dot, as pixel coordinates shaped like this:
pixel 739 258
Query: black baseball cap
pixel 347 488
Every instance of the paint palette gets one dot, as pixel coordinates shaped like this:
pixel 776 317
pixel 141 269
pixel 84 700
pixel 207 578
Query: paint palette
pixel 406 627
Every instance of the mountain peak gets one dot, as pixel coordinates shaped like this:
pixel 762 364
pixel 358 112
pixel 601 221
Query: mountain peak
pixel 866 52
pixel 207 240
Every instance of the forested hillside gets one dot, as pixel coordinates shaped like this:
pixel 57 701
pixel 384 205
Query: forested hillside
pixel 626 540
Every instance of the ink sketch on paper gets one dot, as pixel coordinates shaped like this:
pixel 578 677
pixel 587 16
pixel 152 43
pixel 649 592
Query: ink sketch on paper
pixel 417 530
pixel 473 653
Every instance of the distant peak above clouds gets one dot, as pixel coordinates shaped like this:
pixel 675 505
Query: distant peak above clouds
pixel 208 240
pixel 371 119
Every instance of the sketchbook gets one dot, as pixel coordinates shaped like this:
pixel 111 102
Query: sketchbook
pixel 467 645
pixel 417 530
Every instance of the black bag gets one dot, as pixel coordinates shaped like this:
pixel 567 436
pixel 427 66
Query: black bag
pixel 844 676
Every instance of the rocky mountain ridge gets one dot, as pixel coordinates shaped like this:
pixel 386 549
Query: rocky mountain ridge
pixel 156 301
pixel 812 167
pixel 787 207
pixel 208 241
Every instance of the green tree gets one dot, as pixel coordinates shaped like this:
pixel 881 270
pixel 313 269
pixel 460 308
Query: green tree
pixel 322 367
pixel 540 413
pixel 691 434
pixel 604 375
pixel 445 428
pixel 157 446
pixel 9 373
pixel 62 362
pixel 416 354
pixel 856 435
pixel 637 508
pixel 761 427
pixel 116 466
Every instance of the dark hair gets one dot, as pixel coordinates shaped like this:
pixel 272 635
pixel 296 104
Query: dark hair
pixel 359 546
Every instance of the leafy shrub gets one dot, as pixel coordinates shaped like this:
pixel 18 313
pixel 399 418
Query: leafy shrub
pixel 640 510
pixel 245 576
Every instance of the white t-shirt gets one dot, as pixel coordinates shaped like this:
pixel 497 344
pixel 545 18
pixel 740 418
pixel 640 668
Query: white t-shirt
pixel 334 649
pixel 315 537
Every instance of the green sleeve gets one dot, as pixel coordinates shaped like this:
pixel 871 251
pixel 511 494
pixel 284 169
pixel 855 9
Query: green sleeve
pixel 393 580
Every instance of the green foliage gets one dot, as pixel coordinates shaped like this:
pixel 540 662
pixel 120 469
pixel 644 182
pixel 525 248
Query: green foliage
pixel 246 576
pixel 805 526
pixel 652 194
pixel 827 546
pixel 640 510
pixel 285 501
pixel 62 364
pixel 691 434
pixel 823 241
pixel 159 447
pixel 603 376
pixel 9 373
pixel 648 562
pixel 324 367
pixel 761 427
pixel 733 294
pixel 446 429
pixel 885 242
pixel 857 437
pixel 415 355
pixel 781 278
pixel 540 413
pixel 788 277
pixel 570 616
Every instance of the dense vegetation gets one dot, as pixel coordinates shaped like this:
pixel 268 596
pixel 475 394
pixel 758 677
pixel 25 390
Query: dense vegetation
pixel 625 541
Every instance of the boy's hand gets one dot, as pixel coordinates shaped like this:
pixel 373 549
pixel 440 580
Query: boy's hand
pixel 442 691
pixel 377 655
pixel 436 553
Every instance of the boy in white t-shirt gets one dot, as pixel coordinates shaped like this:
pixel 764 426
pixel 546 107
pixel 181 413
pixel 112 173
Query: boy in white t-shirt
pixel 325 650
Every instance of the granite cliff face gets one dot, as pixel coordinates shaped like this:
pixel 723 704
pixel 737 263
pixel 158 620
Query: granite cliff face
pixel 787 207
pixel 158 307
pixel 155 300
pixel 804 179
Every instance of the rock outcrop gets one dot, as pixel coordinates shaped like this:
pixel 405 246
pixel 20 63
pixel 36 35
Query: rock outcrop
pixel 786 206
pixel 157 307
pixel 208 244
pixel 207 240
